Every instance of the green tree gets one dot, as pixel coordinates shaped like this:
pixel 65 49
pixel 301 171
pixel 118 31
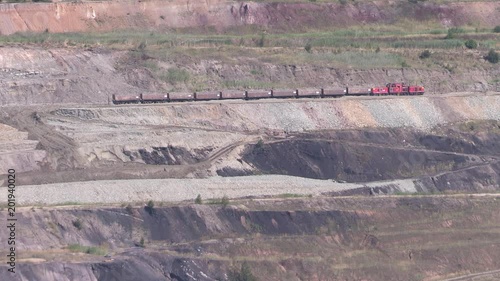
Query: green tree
pixel 151 204
pixel 78 224
pixel 198 199
pixel 224 201
pixel 150 207
pixel 262 40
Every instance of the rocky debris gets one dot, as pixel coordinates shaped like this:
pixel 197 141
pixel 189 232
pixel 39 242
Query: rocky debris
pixel 37 76
pixel 202 139
pixel 18 152
pixel 421 112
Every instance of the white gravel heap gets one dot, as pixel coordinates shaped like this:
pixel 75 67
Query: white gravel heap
pixel 176 190
pixel 169 190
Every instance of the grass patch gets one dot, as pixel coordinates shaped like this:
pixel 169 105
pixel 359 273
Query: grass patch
pixel 175 76
pixel 224 201
pixel 291 195
pixel 247 84
pixel 98 251
pixel 427 44
pixel 357 59
pixel 401 33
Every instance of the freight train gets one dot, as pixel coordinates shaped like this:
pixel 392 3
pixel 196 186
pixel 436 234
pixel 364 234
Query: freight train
pixel 389 89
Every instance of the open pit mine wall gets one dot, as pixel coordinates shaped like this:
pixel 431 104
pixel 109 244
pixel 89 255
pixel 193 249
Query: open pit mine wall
pixel 105 16
pixel 37 76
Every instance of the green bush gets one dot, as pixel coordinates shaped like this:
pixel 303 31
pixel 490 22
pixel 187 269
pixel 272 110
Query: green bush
pixel 129 209
pixel 262 41
pixel 496 29
pixel 308 47
pixel 452 32
pixel 175 75
pixel 492 56
pixel 78 224
pixel 224 201
pixel 198 199
pixel 151 204
pixel 244 274
pixel 471 44
pixel 150 207
pixel 87 249
pixel 425 54
pixel 259 144
pixel 142 46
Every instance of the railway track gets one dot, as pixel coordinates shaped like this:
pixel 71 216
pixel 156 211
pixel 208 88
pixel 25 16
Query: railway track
pixel 290 100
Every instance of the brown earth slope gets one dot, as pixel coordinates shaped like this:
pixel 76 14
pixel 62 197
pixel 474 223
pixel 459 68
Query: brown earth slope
pixel 97 16
pixel 32 75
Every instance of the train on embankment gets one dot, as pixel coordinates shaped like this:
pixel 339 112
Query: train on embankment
pixel 389 89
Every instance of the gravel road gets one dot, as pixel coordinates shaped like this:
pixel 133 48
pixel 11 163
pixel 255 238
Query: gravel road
pixel 170 190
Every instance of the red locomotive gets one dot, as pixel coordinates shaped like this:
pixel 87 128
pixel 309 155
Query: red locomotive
pixel 398 89
pixel 389 89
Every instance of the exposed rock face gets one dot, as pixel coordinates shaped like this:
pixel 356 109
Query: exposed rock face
pixel 95 16
pixel 18 152
pixel 35 76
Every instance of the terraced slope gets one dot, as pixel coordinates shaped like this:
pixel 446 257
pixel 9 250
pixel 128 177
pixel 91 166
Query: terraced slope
pixel 361 238
pixel 18 152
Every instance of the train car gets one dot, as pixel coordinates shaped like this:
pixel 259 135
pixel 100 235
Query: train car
pixel 284 93
pixel 402 89
pixel 335 92
pixel 309 93
pixel 258 94
pixel 358 91
pixel 152 98
pixel 416 90
pixel 207 96
pixel 389 89
pixel 377 91
pixel 119 99
pixel 230 95
pixel 179 96
pixel 396 88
